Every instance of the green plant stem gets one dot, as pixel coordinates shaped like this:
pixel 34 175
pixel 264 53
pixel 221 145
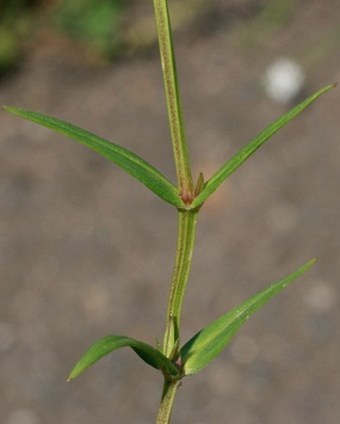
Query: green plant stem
pixel 185 245
pixel 168 397
pixel 177 129
pixel 186 219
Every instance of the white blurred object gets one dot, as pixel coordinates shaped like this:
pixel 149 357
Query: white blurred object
pixel 283 80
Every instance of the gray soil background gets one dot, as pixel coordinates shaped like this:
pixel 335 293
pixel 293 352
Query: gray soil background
pixel 85 251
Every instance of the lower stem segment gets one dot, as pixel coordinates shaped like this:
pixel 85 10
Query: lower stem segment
pixel 185 244
pixel 168 397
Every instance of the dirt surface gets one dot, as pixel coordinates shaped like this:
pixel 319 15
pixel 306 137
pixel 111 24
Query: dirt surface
pixel 86 252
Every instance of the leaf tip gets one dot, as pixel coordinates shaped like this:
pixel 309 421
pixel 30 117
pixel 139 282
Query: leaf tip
pixel 328 87
pixel 75 372
pixel 7 108
pixel 72 376
pixel 308 265
pixel 311 262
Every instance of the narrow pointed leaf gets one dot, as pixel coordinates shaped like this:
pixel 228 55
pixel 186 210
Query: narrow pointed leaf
pixel 201 349
pixel 130 162
pixel 106 345
pixel 243 154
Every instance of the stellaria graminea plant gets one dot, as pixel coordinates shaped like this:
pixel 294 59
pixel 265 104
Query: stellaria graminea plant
pixel 174 359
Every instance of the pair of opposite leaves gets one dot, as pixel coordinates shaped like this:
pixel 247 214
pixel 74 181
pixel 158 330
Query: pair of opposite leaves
pixel 203 347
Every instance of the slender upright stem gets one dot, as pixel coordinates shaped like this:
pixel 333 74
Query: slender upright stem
pixel 187 219
pixel 173 101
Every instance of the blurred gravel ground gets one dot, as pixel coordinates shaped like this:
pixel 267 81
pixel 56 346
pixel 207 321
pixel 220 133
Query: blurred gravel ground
pixel 85 251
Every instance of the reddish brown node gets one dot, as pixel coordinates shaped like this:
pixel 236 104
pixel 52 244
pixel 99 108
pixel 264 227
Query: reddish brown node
pixel 187 196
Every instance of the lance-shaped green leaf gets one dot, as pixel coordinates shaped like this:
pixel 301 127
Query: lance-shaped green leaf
pixel 130 162
pixel 106 345
pixel 211 340
pixel 243 154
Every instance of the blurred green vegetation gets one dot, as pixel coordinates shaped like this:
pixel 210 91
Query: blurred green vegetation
pixel 99 29
pixel 271 17
pixel 96 24
pixel 14 25
pixel 104 29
